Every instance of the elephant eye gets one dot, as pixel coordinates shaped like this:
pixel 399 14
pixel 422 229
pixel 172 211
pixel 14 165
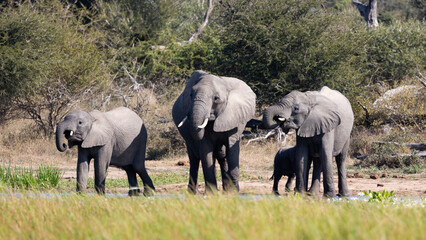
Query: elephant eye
pixel 296 108
pixel 216 99
pixel 80 122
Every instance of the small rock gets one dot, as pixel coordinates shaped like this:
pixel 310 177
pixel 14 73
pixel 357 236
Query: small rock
pixel 350 175
pixel 358 175
pixel 402 176
pixel 374 176
pixel 384 175
pixel 395 176
pixel 380 185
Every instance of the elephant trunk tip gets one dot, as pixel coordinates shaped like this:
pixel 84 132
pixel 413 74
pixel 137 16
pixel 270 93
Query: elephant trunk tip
pixel 60 145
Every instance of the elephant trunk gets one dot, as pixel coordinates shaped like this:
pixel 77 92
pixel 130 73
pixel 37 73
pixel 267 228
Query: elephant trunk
pixel 198 120
pixel 60 145
pixel 269 115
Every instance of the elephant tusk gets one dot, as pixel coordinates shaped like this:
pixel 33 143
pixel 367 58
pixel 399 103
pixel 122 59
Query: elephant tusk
pixel 281 119
pixel 71 133
pixel 182 122
pixel 204 123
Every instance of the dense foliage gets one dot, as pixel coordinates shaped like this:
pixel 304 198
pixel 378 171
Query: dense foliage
pixel 55 54
pixel 48 61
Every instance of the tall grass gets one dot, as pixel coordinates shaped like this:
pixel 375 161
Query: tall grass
pixel 218 217
pixel 26 178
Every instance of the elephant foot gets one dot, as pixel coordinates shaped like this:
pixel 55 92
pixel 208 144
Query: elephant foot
pixel 344 193
pixel 314 191
pixel 134 192
pixel 329 194
pixel 148 192
pixel 276 193
pixel 192 189
pixel 288 189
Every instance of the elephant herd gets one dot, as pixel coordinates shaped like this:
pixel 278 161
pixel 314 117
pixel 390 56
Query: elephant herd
pixel 211 114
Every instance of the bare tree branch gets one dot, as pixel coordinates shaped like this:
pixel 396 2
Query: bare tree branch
pixel 367 114
pixel 205 21
pixel 281 136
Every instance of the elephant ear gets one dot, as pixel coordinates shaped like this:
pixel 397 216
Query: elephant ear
pixel 322 118
pixel 240 107
pixel 100 133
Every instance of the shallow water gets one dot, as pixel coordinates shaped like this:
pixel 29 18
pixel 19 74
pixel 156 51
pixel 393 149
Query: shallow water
pixel 360 197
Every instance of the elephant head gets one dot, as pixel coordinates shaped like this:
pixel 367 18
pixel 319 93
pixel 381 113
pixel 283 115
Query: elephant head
pixel 80 127
pixel 222 101
pixel 309 113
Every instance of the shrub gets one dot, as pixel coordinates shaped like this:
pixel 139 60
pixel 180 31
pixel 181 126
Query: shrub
pixel 48 61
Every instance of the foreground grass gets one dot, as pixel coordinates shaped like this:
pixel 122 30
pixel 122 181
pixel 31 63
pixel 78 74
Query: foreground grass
pixel 218 217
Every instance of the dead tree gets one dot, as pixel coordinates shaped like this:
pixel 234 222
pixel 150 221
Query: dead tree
pixel 369 12
pixel 205 21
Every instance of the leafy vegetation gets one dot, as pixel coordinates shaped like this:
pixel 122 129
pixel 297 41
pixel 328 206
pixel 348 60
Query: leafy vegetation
pixel 48 62
pixel 383 196
pixel 44 177
pixel 56 56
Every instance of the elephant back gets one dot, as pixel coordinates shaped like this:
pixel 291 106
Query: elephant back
pixel 127 126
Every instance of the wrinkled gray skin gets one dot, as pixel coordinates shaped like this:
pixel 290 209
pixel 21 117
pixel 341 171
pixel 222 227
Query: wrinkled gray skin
pixel 117 138
pixel 323 121
pixel 285 165
pixel 224 105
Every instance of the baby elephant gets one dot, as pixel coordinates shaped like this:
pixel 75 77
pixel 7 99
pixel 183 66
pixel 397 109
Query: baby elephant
pixel 117 138
pixel 285 165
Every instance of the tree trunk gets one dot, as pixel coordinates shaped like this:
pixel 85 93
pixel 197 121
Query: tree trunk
pixel 369 12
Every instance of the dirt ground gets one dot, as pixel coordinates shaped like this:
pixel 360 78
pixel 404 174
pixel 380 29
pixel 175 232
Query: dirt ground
pixel 256 164
pixel 402 185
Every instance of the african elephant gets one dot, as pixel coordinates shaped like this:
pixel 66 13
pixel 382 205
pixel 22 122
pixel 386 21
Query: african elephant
pixel 323 121
pixel 211 114
pixel 285 165
pixel 117 138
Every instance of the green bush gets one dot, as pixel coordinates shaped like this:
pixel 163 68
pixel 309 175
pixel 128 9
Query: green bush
pixel 48 61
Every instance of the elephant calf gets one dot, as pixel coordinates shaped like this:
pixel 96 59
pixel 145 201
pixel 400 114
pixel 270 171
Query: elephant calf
pixel 117 138
pixel 285 165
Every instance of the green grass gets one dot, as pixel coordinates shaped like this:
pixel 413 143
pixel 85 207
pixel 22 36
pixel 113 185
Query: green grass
pixel 27 178
pixel 216 217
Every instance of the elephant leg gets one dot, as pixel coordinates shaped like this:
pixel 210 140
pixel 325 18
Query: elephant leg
pixel 220 155
pixel 316 177
pixel 194 165
pixel 277 178
pixel 140 169
pixel 133 182
pixel 102 160
pixel 341 169
pixel 82 170
pixel 307 168
pixel 326 157
pixel 301 165
pixel 290 181
pixel 233 156
pixel 207 162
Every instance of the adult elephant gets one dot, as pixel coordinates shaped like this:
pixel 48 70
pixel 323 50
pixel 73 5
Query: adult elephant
pixel 323 121
pixel 211 114
pixel 117 138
